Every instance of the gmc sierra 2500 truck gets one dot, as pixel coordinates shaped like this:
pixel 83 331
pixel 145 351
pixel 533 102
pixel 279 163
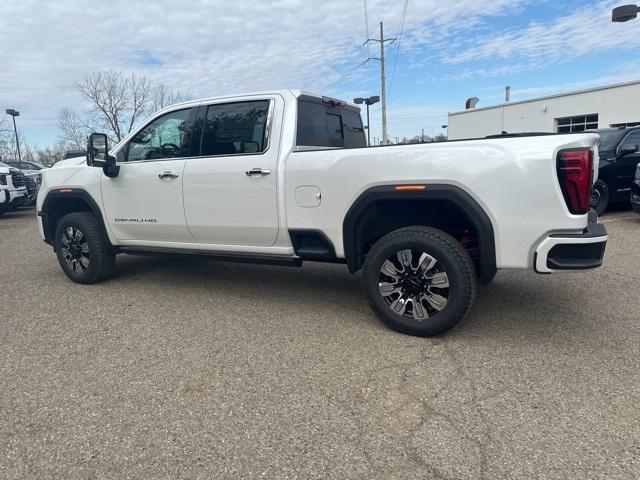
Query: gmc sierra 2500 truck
pixel 285 176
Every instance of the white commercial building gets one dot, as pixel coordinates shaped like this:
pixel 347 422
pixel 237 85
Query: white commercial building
pixel 611 106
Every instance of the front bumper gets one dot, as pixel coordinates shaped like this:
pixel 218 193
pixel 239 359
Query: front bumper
pixel 43 227
pixel 13 198
pixel 582 251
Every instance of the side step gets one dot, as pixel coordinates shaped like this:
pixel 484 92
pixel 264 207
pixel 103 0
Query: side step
pixel 215 255
pixel 313 245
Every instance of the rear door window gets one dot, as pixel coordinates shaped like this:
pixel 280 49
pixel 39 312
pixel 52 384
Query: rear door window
pixel 235 128
pixel 321 125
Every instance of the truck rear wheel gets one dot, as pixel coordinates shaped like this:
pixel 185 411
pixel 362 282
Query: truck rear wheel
pixel 83 253
pixel 419 280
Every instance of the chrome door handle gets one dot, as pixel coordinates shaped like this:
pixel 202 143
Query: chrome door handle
pixel 257 171
pixel 167 174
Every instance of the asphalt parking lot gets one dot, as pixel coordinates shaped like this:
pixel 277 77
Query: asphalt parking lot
pixel 190 369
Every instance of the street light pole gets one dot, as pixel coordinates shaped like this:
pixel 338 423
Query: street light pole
pixel 14 114
pixel 367 101
pixel 368 129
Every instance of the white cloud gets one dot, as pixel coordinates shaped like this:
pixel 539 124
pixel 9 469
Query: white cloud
pixel 588 30
pixel 207 48
pixel 214 47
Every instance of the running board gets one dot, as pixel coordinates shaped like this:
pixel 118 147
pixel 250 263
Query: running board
pixel 235 257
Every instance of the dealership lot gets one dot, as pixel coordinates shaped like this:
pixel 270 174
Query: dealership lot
pixel 182 368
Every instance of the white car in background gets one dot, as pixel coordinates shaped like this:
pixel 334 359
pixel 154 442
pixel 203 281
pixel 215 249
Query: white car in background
pixel 13 191
pixel 33 176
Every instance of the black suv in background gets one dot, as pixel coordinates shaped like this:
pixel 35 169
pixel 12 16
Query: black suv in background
pixel 619 156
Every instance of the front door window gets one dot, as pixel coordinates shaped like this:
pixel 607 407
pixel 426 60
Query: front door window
pixel 168 136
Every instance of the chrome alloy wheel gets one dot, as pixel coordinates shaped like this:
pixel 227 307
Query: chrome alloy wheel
pixel 414 284
pixel 75 249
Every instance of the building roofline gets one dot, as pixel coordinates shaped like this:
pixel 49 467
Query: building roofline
pixel 557 95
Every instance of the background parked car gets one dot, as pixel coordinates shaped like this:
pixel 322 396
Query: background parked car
pixel 73 154
pixel 635 191
pixel 27 167
pixel 619 156
pixel 33 177
pixel 13 191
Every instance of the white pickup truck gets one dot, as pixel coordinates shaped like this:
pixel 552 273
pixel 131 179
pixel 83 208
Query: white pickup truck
pixel 13 192
pixel 286 176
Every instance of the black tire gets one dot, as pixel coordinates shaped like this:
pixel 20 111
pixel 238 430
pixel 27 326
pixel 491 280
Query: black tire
pixel 600 196
pixel 452 259
pixel 93 259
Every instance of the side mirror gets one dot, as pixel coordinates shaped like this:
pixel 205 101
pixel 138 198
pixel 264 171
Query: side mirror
pixel 628 150
pixel 98 155
pixel 97 150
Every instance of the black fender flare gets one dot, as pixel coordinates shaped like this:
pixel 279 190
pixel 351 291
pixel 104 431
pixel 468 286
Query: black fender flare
pixel 68 194
pixel 455 195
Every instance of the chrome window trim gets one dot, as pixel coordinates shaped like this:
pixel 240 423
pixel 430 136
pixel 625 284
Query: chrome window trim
pixel 267 132
pixel 267 128
pixel 142 127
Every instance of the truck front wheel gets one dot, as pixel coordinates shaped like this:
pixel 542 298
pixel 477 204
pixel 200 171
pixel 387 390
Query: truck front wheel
pixel 419 280
pixel 83 253
pixel 600 194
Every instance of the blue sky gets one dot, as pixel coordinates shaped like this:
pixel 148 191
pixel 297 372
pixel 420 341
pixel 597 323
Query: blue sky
pixel 448 51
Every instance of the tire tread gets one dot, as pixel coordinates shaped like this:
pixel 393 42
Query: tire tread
pixel 457 254
pixel 102 257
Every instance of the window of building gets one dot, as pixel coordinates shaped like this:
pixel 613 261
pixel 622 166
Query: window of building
pixel 232 128
pixel 579 123
pixel 625 125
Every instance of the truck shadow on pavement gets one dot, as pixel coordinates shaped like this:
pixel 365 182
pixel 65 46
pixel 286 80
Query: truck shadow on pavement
pixel 515 303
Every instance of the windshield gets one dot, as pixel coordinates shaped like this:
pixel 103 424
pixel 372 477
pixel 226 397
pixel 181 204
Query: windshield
pixel 4 165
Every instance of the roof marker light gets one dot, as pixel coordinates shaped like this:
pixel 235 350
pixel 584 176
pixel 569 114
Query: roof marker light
pixel 334 102
pixel 409 187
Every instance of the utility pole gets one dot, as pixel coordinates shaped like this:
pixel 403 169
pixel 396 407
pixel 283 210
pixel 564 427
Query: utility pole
pixel 422 136
pixel 382 40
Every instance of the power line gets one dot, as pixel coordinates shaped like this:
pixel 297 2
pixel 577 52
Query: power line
pixel 383 90
pixel 342 76
pixel 326 68
pixel 399 36
pixel 366 27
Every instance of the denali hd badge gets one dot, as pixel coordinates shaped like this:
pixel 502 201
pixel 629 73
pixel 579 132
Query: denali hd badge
pixel 136 220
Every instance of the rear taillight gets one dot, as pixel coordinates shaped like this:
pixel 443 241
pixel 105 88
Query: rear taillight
pixel 575 173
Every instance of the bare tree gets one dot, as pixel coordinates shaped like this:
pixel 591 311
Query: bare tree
pixel 75 129
pixel 162 96
pixel 50 155
pixel 117 100
pixel 7 142
pixel 8 149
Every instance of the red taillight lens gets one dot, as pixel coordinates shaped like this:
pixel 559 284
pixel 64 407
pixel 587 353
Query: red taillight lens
pixel 575 173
